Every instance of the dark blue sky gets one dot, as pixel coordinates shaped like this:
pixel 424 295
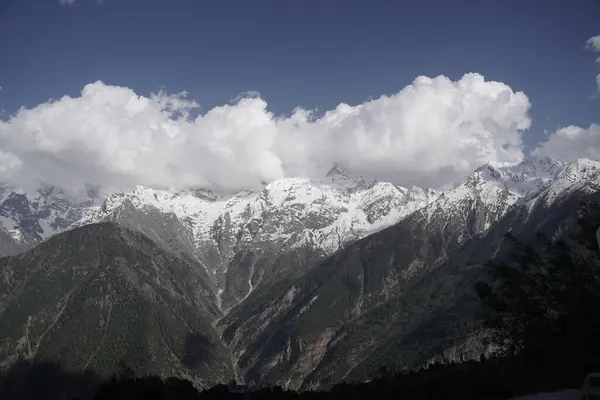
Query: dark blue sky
pixel 312 53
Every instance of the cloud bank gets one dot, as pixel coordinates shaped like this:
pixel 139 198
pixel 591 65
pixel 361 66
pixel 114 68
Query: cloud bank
pixel 571 143
pixel 431 133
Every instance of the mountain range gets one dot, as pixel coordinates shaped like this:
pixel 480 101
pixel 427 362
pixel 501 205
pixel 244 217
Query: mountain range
pixel 240 239
pixel 304 283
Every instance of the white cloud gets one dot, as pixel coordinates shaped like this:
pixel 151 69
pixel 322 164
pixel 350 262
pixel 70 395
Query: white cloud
pixel 432 132
pixel 593 43
pixel 571 143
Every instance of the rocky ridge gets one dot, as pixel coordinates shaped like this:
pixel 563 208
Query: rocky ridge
pixel 239 239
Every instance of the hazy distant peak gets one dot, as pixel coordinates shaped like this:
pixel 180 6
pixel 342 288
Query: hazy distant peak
pixel 339 175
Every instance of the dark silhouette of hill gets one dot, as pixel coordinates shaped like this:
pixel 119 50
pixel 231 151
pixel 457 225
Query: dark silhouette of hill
pixel 46 380
pixel 487 379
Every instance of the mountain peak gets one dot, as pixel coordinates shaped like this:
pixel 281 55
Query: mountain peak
pixel 534 171
pixel 205 194
pixel 339 175
pixel 338 170
pixel 581 169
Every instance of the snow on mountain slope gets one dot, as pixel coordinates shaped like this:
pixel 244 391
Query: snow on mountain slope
pixel 488 193
pixel 335 210
pixel 581 174
pixel 331 212
pixel 246 231
pixel 33 217
pixel 249 230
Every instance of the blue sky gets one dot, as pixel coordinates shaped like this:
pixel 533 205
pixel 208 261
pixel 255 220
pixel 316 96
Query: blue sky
pixel 309 53
pixel 306 52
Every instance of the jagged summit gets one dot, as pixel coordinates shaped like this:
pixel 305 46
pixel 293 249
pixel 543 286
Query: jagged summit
pixel 341 177
pixel 545 168
pixel 492 189
pixel 522 180
pixel 582 169
pixel 583 174
pixel 531 178
pixel 368 204
pixel 205 194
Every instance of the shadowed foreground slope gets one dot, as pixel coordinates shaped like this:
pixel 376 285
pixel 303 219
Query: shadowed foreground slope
pixel 489 379
pixel 101 297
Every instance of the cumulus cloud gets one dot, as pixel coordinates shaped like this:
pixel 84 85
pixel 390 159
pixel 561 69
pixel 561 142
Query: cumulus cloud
pixel 66 2
pixel 593 43
pixel 571 143
pixel 431 133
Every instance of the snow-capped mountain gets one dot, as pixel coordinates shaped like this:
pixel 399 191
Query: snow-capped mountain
pixel 240 239
pixel 583 174
pixel 264 255
pixel 249 237
pixel 405 288
pixel 32 218
pixel 487 194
